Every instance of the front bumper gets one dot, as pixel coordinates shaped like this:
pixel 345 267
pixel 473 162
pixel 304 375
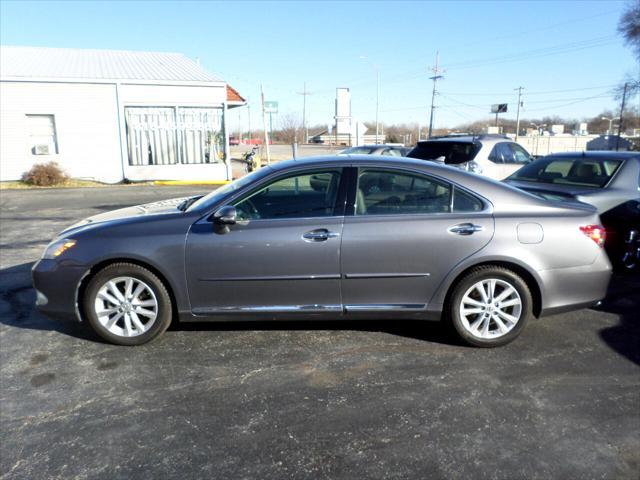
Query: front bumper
pixel 56 284
pixel 567 289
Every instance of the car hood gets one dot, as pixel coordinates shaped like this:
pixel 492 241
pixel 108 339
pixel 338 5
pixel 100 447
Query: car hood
pixel 163 207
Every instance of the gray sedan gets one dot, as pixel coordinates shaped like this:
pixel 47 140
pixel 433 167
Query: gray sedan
pixel 346 237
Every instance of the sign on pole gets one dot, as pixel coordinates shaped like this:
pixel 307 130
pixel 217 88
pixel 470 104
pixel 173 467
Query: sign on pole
pixel 499 108
pixel 270 107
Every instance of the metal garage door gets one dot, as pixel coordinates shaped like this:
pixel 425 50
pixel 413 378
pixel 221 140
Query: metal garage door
pixel 170 135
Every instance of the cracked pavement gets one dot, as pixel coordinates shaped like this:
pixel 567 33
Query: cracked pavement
pixel 292 399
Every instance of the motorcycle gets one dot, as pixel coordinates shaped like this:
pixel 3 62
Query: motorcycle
pixel 248 158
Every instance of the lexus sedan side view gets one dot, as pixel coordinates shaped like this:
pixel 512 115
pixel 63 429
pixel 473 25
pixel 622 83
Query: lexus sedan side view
pixel 378 237
pixel 608 180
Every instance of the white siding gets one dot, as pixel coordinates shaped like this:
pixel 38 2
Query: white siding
pixel 169 95
pixel 86 121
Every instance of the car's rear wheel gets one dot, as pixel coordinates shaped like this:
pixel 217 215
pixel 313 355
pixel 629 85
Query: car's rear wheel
pixel 127 304
pixel 490 306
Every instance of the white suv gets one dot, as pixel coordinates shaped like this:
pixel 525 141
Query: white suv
pixel 495 156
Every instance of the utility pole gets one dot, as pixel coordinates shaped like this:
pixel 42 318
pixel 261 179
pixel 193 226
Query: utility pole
pixel 519 89
pixel 249 119
pixel 264 126
pixel 436 76
pixel 304 94
pixel 624 99
pixel 377 101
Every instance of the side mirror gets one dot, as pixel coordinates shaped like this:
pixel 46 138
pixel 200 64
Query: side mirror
pixel 225 215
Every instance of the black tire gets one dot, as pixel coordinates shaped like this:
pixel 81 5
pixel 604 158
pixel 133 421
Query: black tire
pixel 469 280
pixel 116 270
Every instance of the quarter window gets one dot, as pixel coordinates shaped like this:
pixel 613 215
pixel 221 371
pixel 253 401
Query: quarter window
pixel 395 193
pixel 465 202
pixel 42 134
pixel 296 196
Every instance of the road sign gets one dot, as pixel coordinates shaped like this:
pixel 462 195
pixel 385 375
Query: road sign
pixel 270 107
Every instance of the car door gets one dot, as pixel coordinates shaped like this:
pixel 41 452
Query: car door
pixel 403 235
pixel 282 255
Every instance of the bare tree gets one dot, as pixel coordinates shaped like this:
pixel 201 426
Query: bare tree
pixel 629 26
pixel 290 130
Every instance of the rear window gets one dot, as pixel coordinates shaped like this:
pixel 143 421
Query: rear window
pixel 454 153
pixel 579 171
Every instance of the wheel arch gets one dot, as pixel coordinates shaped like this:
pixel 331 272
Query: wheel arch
pixel 528 277
pixel 134 261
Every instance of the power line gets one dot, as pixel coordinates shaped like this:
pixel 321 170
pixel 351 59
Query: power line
pixel 497 94
pixel 536 53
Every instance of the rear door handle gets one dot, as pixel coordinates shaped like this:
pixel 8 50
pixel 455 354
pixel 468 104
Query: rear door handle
pixel 465 229
pixel 319 235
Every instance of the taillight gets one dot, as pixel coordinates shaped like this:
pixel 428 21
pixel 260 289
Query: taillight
pixel 596 233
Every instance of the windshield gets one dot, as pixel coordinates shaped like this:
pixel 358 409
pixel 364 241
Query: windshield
pixel 454 153
pixel 219 193
pixel 579 171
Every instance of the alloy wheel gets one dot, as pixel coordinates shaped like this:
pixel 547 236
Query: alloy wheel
pixel 126 306
pixel 490 308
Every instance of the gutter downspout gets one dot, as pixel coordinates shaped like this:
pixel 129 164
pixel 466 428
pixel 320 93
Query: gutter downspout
pixel 227 152
pixel 120 126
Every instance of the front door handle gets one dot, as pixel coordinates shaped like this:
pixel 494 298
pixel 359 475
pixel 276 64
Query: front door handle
pixel 465 229
pixel 319 235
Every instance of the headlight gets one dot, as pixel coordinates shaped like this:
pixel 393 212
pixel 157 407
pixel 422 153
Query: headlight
pixel 57 248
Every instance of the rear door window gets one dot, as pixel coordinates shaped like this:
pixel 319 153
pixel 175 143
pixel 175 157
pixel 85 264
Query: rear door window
pixel 389 192
pixel 520 155
pixel 502 153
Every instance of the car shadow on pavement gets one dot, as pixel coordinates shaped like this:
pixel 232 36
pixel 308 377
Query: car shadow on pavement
pixel 17 309
pixel 17 306
pixel 623 299
pixel 434 332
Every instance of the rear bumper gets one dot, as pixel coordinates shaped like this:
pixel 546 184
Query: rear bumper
pixel 567 289
pixel 56 286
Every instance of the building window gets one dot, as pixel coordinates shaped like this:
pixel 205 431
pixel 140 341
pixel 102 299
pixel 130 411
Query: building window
pixel 42 134
pixel 172 135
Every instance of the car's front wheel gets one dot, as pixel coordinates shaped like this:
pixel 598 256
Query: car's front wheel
pixel 490 306
pixel 127 304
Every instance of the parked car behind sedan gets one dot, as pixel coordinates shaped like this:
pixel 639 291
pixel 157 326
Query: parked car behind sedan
pixel 376 238
pixel 608 180
pixel 495 156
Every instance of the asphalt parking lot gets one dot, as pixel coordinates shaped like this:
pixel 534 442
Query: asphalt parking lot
pixel 304 400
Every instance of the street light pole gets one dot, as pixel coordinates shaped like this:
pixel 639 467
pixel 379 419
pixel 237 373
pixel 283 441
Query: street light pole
pixel 610 120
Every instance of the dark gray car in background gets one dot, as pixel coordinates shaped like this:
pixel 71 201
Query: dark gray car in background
pixel 608 180
pixel 346 237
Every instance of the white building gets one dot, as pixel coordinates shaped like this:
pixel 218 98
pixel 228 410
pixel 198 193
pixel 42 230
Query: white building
pixel 112 115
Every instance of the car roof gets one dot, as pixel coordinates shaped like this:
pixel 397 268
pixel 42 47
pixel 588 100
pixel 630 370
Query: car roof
pixel 596 154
